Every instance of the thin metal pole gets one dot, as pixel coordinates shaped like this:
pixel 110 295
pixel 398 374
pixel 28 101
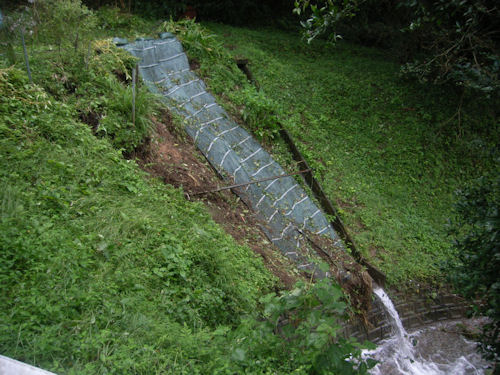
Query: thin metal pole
pixel 26 57
pixel 134 78
pixel 87 60
pixel 249 183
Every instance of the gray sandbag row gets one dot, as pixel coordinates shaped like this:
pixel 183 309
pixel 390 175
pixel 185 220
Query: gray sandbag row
pixel 282 206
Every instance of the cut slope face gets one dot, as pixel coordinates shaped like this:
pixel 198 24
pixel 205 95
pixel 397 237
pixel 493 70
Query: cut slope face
pixel 284 208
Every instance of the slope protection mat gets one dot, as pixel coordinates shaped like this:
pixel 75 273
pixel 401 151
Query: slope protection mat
pixel 282 206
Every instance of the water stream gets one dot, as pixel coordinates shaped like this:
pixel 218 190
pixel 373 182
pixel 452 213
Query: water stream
pixel 435 350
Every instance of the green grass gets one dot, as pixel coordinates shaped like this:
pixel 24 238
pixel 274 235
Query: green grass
pixel 103 270
pixel 384 149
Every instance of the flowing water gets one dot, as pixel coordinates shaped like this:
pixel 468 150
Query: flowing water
pixel 434 350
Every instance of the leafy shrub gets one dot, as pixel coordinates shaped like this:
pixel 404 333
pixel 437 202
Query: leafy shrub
pixel 102 270
pixel 221 72
pixel 458 40
pixel 259 114
pixel 63 22
pixel 447 41
pixel 196 40
pixel 116 115
pixel 476 229
pixel 108 59
pixel 115 22
pixel 95 78
pixel 109 67
pixel 299 335
pixel 324 18
pixel 97 82
pixel 6 39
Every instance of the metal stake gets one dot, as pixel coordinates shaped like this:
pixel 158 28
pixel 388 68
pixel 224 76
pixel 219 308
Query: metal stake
pixel 134 77
pixel 26 57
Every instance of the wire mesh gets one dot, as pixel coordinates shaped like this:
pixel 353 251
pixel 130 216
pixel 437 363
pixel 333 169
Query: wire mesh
pixel 283 208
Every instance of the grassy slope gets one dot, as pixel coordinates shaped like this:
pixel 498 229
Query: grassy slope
pixel 103 270
pixel 381 147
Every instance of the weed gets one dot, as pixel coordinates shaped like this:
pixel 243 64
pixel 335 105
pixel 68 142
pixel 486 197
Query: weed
pixel 220 72
pixel 102 267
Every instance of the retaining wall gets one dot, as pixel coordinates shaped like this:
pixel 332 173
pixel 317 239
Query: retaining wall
pixel 415 312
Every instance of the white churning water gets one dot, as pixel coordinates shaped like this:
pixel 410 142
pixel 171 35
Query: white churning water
pixel 434 350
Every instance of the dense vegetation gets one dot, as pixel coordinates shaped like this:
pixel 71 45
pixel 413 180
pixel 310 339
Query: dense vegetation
pixel 391 153
pixel 92 267
pixel 453 43
pixel 441 41
pixel 230 11
pixel 104 270
pixel 476 229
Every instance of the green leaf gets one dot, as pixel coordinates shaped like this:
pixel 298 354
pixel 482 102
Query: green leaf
pixel 238 355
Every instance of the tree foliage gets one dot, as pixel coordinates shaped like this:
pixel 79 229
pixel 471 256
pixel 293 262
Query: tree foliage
pixel 453 41
pixel 325 17
pixel 460 39
pixel 298 334
pixel 477 232
pixel 63 20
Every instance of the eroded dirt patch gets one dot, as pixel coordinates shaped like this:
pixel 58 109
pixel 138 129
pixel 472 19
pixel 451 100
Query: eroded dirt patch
pixel 172 156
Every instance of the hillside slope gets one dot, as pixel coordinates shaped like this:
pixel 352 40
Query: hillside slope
pixel 106 271
pixel 95 257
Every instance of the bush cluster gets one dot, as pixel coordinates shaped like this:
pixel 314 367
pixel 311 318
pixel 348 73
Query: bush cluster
pixel 476 230
pixel 440 41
